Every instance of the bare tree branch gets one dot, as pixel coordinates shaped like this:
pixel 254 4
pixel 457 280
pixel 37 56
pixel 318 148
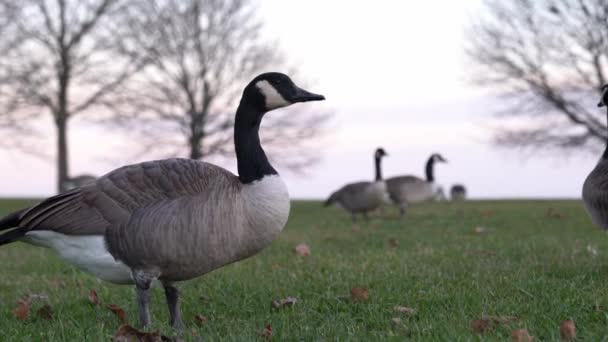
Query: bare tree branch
pixel 200 55
pixel 551 58
pixel 59 57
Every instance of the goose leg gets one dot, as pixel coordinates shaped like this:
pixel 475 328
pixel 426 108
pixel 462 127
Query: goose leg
pixel 172 295
pixel 143 287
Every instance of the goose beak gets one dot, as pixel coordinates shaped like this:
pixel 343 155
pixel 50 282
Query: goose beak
pixel 302 95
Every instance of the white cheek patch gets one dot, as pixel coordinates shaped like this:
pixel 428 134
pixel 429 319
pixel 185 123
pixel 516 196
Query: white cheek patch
pixel 272 96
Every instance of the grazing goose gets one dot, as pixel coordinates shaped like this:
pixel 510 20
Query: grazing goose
pixel 595 188
pixel 403 190
pixel 362 197
pixel 173 219
pixel 458 192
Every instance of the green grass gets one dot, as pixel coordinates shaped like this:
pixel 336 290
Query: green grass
pixel 540 269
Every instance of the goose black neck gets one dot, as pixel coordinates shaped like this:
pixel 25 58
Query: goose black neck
pixel 605 154
pixel 252 162
pixel 377 161
pixel 429 169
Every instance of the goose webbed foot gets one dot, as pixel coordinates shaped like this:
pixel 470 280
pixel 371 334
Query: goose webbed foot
pixel 172 295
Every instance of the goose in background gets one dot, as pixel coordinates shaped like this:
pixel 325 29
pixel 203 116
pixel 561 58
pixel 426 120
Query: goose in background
pixel 362 197
pixel 403 190
pixel 173 219
pixel 595 188
pixel 458 192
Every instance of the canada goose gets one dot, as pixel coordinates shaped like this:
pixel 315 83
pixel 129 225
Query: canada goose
pixel 458 192
pixel 173 219
pixel 78 181
pixel 404 190
pixel 362 197
pixel 595 188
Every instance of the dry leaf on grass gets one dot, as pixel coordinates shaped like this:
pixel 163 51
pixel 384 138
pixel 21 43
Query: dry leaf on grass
pixel 285 302
pixel 479 230
pixel 359 294
pixel 302 249
pixel 568 330
pixel 489 322
pixel 127 333
pixel 405 310
pixel 22 311
pixel 200 320
pixel 118 311
pixel 267 333
pixel 93 299
pixel 482 325
pixel 486 213
pixel 45 312
pixel 552 213
pixel 521 335
pixel 392 242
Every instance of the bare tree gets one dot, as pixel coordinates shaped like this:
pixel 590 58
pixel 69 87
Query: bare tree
pixel 55 59
pixel 200 55
pixel 549 59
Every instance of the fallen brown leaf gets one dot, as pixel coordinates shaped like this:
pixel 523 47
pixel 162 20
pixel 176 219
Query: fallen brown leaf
pixel 22 311
pixel 392 242
pixel 285 302
pixel 568 330
pixel 359 294
pixel 200 320
pixel 486 213
pixel 118 311
pixel 127 333
pixel 267 333
pixel 93 299
pixel 405 310
pixel 521 335
pixel 302 249
pixel 552 213
pixel 479 230
pixel 45 312
pixel 481 326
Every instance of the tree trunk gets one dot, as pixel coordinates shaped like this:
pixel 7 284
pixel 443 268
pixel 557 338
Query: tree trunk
pixel 62 154
pixel 195 147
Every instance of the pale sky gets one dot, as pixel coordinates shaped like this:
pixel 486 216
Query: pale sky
pixel 395 76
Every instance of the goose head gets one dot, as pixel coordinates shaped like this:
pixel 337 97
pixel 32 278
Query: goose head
pixel 275 90
pixel 436 157
pixel 604 100
pixel 380 153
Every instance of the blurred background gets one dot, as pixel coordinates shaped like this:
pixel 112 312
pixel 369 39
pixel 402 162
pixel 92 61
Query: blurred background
pixel 505 90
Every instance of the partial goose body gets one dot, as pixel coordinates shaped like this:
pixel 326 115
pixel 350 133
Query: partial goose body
pixel 458 192
pixel 595 187
pixel 362 197
pixel 172 219
pixel 359 197
pixel 404 190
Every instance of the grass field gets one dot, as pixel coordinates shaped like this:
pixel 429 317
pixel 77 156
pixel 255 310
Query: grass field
pixel 539 262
